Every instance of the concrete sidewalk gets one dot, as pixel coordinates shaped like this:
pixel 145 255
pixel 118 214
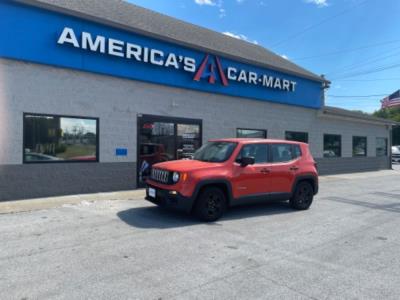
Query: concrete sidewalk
pixel 53 202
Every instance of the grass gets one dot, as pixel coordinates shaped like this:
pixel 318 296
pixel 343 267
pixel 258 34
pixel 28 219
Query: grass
pixel 78 150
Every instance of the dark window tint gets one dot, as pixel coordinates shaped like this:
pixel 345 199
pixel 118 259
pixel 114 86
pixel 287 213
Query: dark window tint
pixel 332 145
pixel 57 139
pixel 296 151
pixel 296 136
pixel 359 146
pixel 281 152
pixel 251 133
pixel 381 147
pixel 258 151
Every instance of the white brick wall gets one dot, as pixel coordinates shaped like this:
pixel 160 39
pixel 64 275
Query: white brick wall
pixel 26 87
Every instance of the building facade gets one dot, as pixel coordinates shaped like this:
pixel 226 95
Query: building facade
pixel 93 93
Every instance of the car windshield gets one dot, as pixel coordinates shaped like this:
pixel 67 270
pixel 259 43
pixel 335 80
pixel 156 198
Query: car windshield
pixel 215 151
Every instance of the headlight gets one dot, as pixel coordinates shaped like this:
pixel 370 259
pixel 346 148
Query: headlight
pixel 175 177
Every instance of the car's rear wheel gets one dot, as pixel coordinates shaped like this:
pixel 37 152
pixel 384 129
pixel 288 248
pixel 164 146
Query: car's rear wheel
pixel 211 204
pixel 303 196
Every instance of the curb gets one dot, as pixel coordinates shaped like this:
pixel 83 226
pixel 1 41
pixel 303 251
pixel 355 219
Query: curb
pixel 17 206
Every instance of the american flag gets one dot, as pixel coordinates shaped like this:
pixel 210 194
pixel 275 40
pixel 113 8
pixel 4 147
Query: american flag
pixel 391 101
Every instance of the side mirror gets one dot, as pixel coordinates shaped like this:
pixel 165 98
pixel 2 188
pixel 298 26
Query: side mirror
pixel 247 160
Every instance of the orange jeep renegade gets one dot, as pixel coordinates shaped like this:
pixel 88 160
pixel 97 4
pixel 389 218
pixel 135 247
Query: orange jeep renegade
pixel 229 172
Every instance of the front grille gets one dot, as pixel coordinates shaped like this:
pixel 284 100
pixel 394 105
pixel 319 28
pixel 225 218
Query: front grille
pixel 160 175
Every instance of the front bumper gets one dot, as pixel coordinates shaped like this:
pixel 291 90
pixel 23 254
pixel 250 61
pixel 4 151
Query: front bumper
pixel 166 199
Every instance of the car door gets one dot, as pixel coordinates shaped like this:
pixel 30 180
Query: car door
pixel 283 167
pixel 251 180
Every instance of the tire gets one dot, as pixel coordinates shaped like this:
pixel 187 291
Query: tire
pixel 303 196
pixel 210 204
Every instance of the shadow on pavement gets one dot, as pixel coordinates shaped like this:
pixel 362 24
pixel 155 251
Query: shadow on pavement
pixel 157 217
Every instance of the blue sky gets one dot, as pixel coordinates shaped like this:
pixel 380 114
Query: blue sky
pixel 348 40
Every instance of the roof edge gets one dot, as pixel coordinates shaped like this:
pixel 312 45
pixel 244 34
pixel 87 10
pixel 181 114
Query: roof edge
pixel 330 111
pixel 118 25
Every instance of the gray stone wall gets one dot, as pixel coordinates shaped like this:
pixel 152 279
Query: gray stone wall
pixel 329 166
pixel 46 180
pixel 32 88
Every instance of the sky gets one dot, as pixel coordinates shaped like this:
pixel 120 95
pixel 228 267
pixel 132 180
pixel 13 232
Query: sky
pixel 354 43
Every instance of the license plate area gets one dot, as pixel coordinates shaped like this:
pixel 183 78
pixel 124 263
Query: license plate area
pixel 152 192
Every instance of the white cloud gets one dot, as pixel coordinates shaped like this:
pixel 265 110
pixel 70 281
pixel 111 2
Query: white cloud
pixel 240 37
pixel 222 13
pixel 319 3
pixel 205 2
pixel 284 56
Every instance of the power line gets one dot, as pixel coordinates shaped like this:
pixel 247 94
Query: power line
pixel 347 50
pixel 359 96
pixel 370 71
pixel 376 79
pixel 294 35
pixel 372 59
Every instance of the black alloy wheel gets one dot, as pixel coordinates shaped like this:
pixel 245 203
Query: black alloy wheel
pixel 211 204
pixel 303 196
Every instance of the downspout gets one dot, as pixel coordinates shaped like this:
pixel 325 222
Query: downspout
pixel 390 146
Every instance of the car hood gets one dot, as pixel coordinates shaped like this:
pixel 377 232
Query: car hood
pixel 185 165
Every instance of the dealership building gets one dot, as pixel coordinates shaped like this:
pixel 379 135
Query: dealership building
pixel 92 93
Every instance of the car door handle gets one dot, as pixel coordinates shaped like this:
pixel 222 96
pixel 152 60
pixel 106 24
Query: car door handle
pixel 265 171
pixel 294 168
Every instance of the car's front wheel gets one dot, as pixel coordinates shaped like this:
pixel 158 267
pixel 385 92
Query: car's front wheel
pixel 303 196
pixel 211 204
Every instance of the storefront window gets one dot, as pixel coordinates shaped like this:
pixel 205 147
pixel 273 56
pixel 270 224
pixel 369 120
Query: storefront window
pixel 359 146
pixel 381 146
pixel 162 139
pixel 251 133
pixel 296 136
pixel 332 145
pixel 60 139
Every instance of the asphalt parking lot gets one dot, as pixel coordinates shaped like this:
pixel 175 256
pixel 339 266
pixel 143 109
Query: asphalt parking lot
pixel 345 247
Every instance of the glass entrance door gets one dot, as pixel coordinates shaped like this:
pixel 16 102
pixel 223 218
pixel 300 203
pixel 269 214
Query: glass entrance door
pixel 163 138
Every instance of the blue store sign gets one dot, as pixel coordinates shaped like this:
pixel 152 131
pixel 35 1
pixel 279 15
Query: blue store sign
pixel 46 37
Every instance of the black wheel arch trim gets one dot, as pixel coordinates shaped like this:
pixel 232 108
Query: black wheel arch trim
pixel 210 182
pixel 306 177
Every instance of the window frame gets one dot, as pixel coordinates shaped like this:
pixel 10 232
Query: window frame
pixel 304 132
pixel 97 160
pixel 323 145
pixel 265 131
pixel 366 146
pixel 386 145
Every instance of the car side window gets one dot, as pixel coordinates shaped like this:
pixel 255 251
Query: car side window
pixel 258 151
pixel 281 152
pixel 296 151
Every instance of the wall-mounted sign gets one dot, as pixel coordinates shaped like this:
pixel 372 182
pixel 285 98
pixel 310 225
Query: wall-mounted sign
pixel 121 152
pixel 69 42
pixel 208 67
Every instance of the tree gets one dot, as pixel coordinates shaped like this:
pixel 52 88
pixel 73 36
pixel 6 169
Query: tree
pixel 392 113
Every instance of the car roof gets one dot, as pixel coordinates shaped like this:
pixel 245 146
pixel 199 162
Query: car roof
pixel 254 140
